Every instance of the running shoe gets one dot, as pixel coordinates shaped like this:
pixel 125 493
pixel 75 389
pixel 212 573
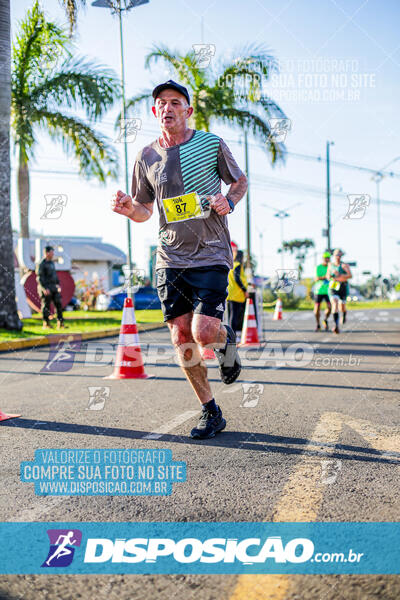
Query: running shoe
pixel 318 328
pixel 335 329
pixel 326 326
pixel 209 424
pixel 228 358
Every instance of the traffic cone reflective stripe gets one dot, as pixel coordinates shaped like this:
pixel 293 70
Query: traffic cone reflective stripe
pixel 278 310
pixel 129 328
pixel 4 417
pixel 250 332
pixel 129 360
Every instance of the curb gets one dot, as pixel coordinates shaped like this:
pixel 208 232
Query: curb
pixel 45 340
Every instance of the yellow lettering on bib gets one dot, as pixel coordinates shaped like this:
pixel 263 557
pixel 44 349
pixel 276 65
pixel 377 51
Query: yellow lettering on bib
pixel 334 285
pixel 182 208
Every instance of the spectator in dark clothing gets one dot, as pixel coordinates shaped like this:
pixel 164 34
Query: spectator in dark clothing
pixel 49 288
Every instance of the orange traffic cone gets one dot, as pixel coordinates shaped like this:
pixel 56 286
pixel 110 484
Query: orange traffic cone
pixel 250 332
pixel 129 360
pixel 4 417
pixel 278 310
pixel 207 353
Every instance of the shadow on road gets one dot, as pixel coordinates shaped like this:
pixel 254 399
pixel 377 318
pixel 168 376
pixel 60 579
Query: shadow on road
pixel 241 440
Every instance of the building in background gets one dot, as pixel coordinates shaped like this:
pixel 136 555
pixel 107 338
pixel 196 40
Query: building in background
pixel 91 258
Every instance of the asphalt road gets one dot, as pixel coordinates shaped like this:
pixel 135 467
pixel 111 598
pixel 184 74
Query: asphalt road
pixel 315 438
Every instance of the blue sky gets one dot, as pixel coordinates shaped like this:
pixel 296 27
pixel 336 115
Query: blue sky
pixel 339 81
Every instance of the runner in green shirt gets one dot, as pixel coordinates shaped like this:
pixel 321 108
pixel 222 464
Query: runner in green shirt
pixel 321 291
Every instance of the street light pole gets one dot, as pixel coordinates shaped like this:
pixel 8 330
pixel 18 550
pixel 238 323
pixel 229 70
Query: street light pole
pixel 248 235
pixel 281 215
pixel 123 123
pixel 328 197
pixel 116 7
pixel 377 177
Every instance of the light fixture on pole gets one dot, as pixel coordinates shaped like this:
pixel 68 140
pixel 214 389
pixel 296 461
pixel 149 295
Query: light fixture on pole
pixel 117 7
pixel 282 214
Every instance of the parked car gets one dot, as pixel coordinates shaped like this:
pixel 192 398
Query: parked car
pixel 73 304
pixel 146 298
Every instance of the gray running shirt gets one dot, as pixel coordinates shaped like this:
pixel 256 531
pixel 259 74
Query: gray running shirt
pixel 197 165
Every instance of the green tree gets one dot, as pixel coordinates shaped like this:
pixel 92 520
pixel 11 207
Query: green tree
pixel 231 93
pixel 301 247
pixel 8 309
pixel 47 85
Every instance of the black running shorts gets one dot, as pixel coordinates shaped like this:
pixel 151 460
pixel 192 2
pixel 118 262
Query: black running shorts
pixel 322 298
pixel 202 290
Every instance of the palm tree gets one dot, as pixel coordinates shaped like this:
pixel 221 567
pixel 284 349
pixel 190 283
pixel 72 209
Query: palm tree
pixel 231 94
pixel 8 309
pixel 47 82
pixel 71 10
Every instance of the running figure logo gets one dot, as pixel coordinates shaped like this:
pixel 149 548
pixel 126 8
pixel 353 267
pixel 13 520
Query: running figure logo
pixel 279 129
pixel 358 204
pixel 55 204
pixel 62 547
pixel 97 397
pixel 62 355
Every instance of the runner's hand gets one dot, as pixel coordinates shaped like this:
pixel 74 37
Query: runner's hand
pixel 220 204
pixel 121 203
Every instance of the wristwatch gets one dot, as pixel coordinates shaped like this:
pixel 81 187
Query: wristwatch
pixel 231 204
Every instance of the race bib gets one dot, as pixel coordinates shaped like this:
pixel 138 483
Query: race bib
pixel 334 285
pixel 182 208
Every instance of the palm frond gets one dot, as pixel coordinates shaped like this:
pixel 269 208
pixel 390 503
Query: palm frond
pixel 253 123
pixel 38 42
pixel 79 83
pixel 185 65
pixel 95 156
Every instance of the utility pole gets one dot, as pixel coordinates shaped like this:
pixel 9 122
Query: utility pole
pixel 328 198
pixel 248 240
pixel 117 7
pixel 377 177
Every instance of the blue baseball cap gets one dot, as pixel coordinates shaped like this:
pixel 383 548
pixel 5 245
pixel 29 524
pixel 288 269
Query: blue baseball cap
pixel 171 85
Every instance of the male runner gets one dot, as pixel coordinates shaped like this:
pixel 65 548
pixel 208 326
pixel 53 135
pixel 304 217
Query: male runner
pixel 321 291
pixel 182 172
pixel 338 274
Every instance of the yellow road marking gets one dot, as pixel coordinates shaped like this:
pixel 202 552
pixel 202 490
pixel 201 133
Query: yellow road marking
pixel 302 495
pixel 300 500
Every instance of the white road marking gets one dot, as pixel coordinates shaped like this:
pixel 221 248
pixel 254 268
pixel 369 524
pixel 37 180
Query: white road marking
pixel 168 427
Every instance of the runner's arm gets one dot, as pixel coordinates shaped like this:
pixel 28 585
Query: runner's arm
pixel 237 189
pixel 123 204
pixel 348 272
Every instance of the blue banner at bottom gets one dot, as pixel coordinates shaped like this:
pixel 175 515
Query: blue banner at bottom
pixel 224 548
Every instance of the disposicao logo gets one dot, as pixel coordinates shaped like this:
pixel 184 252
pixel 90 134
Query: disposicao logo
pixel 62 547
pixel 190 550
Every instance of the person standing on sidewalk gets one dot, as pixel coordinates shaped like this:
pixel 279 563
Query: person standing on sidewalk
pixel 49 288
pixel 182 171
pixel 237 293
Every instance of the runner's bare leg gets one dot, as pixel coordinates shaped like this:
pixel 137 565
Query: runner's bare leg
pixel 187 333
